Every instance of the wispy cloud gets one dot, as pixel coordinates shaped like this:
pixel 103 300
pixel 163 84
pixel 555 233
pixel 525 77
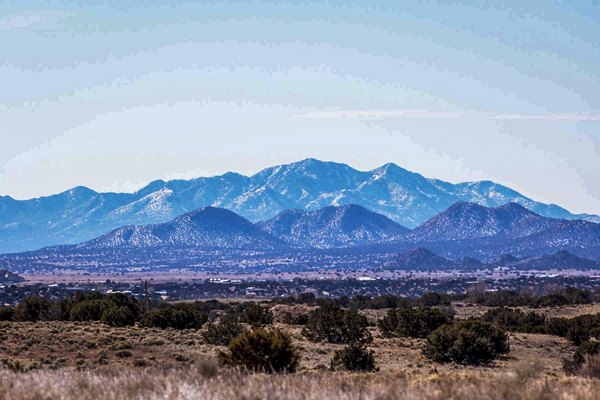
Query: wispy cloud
pixel 19 21
pixel 380 114
pixel 429 114
pixel 549 117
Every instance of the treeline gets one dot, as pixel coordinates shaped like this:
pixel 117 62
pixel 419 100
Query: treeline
pixel 119 310
pixel 508 298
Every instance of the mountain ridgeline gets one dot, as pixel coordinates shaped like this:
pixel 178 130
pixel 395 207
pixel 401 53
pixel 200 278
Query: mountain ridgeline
pixel 463 230
pixel 207 228
pixel 466 236
pixel 331 227
pixel 405 197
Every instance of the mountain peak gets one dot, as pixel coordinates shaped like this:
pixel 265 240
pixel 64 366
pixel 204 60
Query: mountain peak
pixel 208 228
pixel 418 258
pixel 78 191
pixel 332 226
pixel 391 169
pixel 465 221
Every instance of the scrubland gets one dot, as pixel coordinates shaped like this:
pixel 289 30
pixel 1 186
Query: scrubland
pixel 89 360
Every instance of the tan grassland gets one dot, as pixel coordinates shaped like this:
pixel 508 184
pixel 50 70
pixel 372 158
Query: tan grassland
pixel 69 360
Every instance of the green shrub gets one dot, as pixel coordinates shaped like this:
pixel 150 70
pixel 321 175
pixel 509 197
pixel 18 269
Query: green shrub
pixel 118 316
pixel 584 352
pixel 589 348
pixel 177 316
pixel 222 333
pixel 557 326
pixel 515 320
pixel 467 342
pixel 431 299
pixel 336 325
pixel 253 314
pixel 413 322
pixel 295 318
pixel 261 351
pixel 88 310
pixel 6 313
pixel 388 325
pixel 32 309
pixel 354 357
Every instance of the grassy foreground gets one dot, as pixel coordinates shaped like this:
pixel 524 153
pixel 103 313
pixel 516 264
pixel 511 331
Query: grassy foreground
pixel 202 384
pixel 49 360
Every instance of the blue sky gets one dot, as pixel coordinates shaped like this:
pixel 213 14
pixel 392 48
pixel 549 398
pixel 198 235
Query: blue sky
pixel 114 94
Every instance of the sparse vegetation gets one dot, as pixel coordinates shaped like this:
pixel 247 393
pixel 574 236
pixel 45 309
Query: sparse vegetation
pixel 151 354
pixel 466 342
pixel 333 324
pixel 260 350
pixel 354 357
pixel 176 316
pixel 32 309
pixel 253 314
pixel 413 322
pixel 515 320
pixel 222 333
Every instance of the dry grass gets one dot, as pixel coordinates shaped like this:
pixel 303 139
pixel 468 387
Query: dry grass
pixel 67 360
pixel 51 345
pixel 175 385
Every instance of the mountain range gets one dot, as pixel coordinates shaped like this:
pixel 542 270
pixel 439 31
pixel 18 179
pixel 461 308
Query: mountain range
pixel 405 197
pixel 466 236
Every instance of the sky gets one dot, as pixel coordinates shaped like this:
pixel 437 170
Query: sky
pixel 115 94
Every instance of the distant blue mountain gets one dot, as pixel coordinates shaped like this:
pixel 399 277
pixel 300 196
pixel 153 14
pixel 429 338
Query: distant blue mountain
pixel 331 227
pixel 463 237
pixel 206 228
pixel 467 229
pixel 407 198
pixel 465 221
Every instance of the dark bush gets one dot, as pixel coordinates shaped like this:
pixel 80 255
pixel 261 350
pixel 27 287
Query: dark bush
pixel 6 313
pixel 582 328
pixel 306 298
pixel 557 326
pixel 118 316
pixel 590 348
pixel 354 357
pixel 413 322
pixel 177 316
pixel 222 333
pixel 515 320
pixel 253 314
pixel 32 309
pixel 578 296
pixel 88 310
pixel 586 349
pixel 209 306
pixel 295 318
pixel 91 306
pixel 432 299
pixel 261 351
pixel 336 325
pixel 466 342
pixel 388 325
